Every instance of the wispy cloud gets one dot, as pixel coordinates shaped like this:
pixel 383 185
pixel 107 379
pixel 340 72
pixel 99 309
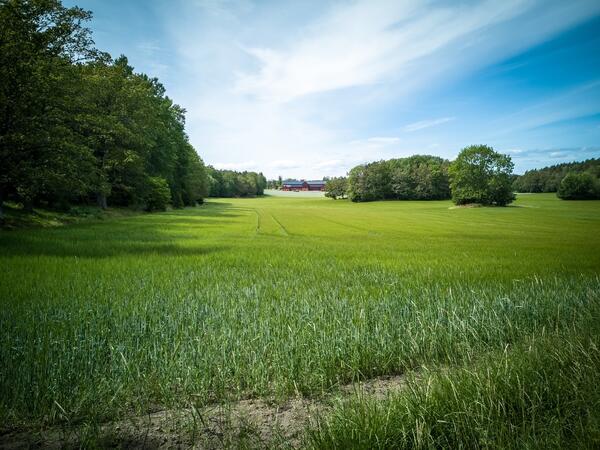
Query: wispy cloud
pixel 426 124
pixel 296 91
pixel 376 141
pixel 392 40
pixel 526 159
pixel 284 164
pixel 244 165
pixel 571 104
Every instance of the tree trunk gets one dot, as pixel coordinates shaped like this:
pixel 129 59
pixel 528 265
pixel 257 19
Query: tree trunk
pixel 101 199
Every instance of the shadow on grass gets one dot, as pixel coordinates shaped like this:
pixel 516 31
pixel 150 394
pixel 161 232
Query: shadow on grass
pixel 151 234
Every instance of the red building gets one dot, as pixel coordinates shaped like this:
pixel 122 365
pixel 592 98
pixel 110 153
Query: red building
pixel 303 185
pixel 316 185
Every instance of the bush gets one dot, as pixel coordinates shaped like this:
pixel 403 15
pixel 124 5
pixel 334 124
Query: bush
pixel 336 188
pixel 481 175
pixel 159 194
pixel 579 186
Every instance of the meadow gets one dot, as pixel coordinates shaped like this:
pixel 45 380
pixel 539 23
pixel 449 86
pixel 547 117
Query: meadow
pixel 493 315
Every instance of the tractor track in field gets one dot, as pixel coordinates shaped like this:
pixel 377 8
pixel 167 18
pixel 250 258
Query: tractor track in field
pixel 258 422
pixel 257 221
pixel 351 227
pixel 283 229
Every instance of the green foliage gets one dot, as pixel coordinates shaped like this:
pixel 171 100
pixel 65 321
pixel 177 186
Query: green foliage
pixel 481 175
pixel 336 187
pixel 229 183
pixel 275 184
pixel 419 177
pixel 159 195
pixel 41 154
pixel 79 126
pixel 579 186
pixel 548 179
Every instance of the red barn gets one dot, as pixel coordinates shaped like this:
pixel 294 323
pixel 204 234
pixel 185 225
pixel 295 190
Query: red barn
pixel 294 185
pixel 316 185
pixel 302 185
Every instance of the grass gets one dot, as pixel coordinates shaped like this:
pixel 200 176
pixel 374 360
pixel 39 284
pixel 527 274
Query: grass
pixel 540 395
pixel 16 217
pixel 274 297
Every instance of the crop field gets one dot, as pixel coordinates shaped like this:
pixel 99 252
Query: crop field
pixel 491 315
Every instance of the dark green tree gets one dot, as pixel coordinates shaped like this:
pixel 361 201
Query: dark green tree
pixel 481 175
pixel 419 177
pixel 579 186
pixel 229 183
pixel 42 158
pixel 548 179
pixel 76 125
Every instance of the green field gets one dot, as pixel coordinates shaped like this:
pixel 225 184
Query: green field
pixel 494 313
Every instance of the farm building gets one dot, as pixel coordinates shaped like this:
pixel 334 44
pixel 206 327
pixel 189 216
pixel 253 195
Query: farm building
pixel 316 185
pixel 303 185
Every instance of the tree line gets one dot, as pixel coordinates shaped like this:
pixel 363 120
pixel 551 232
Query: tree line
pixel 419 177
pixel 79 127
pixel 575 180
pixel 478 175
pixel 229 183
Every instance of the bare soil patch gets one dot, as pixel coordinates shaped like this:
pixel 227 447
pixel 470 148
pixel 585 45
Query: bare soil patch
pixel 250 423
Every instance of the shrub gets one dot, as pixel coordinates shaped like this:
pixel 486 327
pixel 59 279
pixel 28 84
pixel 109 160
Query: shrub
pixel 159 194
pixel 579 186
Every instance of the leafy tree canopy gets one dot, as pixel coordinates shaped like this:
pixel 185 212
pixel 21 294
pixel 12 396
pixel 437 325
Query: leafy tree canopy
pixel 229 183
pixel 78 126
pixel 419 177
pixel 336 187
pixel 481 175
pixel 579 186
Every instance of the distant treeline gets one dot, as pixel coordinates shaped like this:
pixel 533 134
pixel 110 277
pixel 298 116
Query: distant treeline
pixel 419 177
pixel 549 178
pixel 229 183
pixel 477 175
pixel 79 127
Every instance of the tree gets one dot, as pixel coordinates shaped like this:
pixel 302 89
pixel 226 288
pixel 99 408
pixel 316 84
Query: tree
pixel 158 195
pixel 419 177
pixel 40 41
pixel 579 186
pixel 548 179
pixel 77 126
pixel 481 175
pixel 336 187
pixel 229 183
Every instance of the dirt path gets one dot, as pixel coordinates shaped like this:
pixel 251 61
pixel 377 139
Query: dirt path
pixel 251 423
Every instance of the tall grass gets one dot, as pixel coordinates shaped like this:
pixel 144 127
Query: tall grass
pixel 540 395
pixel 277 296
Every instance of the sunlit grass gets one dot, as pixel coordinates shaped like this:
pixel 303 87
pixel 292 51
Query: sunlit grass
pixel 279 296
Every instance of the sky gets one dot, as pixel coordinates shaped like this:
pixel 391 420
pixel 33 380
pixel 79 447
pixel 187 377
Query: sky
pixel 308 89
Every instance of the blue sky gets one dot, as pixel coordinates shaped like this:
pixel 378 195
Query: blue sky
pixel 312 88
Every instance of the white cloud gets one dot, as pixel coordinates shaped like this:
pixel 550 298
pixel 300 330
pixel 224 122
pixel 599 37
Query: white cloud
pixel 245 165
pixel 426 124
pixel 284 164
pixel 293 93
pixel 397 39
pixel 383 140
